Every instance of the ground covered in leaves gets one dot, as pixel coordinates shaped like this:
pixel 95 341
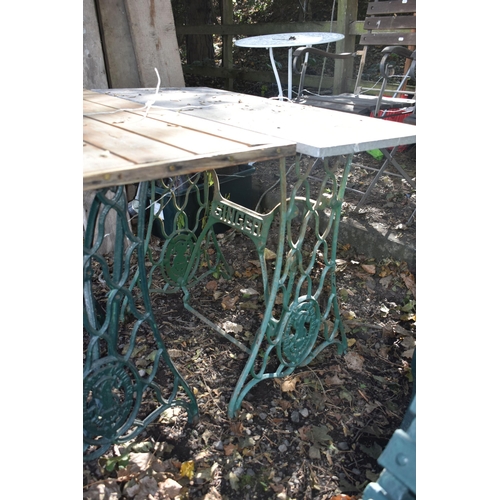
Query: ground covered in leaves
pixel 314 434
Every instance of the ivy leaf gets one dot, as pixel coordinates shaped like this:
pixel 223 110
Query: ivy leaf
pixel 320 434
pixel 373 451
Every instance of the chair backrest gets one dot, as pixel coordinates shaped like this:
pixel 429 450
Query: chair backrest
pixel 388 23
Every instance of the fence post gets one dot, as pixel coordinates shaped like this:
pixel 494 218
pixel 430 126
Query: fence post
pixel 227 41
pixel 347 13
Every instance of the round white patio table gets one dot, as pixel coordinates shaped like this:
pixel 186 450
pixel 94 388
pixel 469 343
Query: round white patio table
pixel 290 40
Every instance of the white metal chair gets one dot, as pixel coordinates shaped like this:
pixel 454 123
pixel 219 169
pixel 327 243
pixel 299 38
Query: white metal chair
pixel 390 24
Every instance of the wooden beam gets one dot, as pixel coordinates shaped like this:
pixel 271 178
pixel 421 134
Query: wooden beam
pixel 254 29
pixel 227 40
pixel 94 71
pixel 155 42
pixel 118 49
pixel 347 14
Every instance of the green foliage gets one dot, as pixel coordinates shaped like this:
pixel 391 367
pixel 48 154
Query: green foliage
pixel 117 462
pixel 251 11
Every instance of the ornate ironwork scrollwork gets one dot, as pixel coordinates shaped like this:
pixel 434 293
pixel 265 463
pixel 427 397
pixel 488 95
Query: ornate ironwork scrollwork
pixel 111 397
pixel 300 327
pixel 177 260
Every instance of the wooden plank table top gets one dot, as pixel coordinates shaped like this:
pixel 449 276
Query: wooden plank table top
pixel 317 132
pixel 123 143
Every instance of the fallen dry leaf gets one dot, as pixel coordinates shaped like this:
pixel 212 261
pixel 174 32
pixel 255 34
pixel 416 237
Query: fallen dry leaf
pixel 388 330
pixel 385 282
pixel 230 327
pixel 269 254
pixel 335 380
pixel 229 302
pixel 284 404
pixel 229 448
pixel 175 353
pixel 143 489
pixel 288 384
pixel 187 469
pixel 408 342
pixel 304 433
pixel 314 453
pixel 409 281
pixel 340 264
pixel 141 461
pixel 103 489
pixel 237 428
pixel 347 315
pixel 247 406
pixel 408 353
pixel 170 488
pixel 212 494
pixel 354 361
pixel 277 488
pixel 369 268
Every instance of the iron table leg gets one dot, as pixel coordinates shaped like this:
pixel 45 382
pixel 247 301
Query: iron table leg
pixel 309 319
pixel 129 379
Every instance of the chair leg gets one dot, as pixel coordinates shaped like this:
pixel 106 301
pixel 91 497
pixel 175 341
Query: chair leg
pixel 411 217
pixel 389 159
pixel 361 202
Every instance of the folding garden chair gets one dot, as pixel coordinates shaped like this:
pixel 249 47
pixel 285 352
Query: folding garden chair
pixel 390 24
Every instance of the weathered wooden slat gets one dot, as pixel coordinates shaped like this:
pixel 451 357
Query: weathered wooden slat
pixel 114 176
pixel 236 135
pixel 155 42
pixel 191 141
pixel 96 159
pixel 390 23
pixel 389 39
pixel 391 7
pixel 133 147
pixel 116 150
pixel 117 43
pixel 90 108
pixel 102 103
pixel 110 101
